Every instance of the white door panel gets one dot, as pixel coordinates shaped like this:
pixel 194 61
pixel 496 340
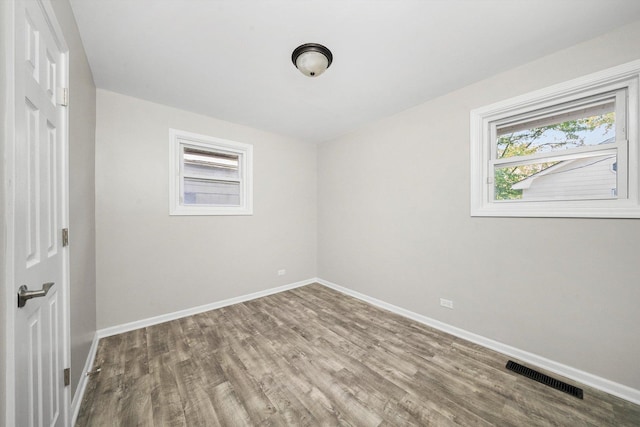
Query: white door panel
pixel 39 217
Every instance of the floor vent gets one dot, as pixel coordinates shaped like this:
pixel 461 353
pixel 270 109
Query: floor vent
pixel 544 379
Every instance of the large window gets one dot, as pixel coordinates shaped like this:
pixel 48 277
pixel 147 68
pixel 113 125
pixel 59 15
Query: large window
pixel 209 176
pixel 570 150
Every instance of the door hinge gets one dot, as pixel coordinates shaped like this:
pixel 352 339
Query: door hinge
pixel 67 376
pixel 63 96
pixel 65 237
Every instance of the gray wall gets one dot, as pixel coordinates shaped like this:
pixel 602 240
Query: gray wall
pixel 150 263
pixel 82 125
pixel 565 289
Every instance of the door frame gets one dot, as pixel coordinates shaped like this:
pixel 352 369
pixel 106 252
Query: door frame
pixel 8 22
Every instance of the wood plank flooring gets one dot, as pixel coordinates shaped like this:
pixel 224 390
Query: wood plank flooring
pixel 315 357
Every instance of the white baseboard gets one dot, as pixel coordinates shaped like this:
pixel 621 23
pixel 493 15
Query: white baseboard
pixel 126 327
pixel 82 384
pixel 608 386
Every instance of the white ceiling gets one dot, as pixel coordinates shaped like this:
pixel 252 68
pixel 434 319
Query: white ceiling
pixel 231 59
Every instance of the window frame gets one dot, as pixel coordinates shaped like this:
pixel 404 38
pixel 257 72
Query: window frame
pixel 179 139
pixel 484 121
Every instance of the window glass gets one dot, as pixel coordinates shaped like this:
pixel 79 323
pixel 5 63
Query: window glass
pixel 215 193
pixel 560 133
pixel 210 177
pixel 585 178
pixel 521 171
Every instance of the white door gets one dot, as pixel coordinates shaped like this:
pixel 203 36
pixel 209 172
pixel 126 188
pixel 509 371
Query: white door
pixel 39 216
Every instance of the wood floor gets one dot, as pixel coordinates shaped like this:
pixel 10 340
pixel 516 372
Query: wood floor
pixel 315 357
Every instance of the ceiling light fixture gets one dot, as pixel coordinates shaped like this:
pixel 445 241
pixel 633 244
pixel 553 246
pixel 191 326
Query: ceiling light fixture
pixel 312 59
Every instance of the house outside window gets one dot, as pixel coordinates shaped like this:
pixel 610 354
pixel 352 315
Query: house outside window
pixel 567 151
pixel 209 176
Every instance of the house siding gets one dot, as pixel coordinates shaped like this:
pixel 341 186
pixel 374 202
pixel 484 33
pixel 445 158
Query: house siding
pixel 577 179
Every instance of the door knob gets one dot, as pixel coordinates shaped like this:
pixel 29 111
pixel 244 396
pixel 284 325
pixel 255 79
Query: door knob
pixel 24 294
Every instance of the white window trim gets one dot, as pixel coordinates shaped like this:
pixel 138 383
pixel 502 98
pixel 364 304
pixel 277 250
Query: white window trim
pixel 178 137
pixel 481 119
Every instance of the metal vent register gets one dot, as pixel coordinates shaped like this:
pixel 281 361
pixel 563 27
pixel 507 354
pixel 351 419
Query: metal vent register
pixel 544 379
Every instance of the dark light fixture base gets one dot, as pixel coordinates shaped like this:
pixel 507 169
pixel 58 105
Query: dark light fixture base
pixel 311 47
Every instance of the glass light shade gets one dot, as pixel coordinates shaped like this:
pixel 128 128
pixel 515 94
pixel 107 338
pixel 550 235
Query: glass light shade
pixel 312 63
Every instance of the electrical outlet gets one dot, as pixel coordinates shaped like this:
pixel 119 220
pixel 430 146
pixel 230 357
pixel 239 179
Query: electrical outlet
pixel 446 303
pixel 282 272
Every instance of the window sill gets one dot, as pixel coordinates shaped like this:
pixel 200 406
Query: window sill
pixel 209 210
pixel 602 209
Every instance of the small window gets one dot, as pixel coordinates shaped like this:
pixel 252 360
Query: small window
pixel 209 176
pixel 570 150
